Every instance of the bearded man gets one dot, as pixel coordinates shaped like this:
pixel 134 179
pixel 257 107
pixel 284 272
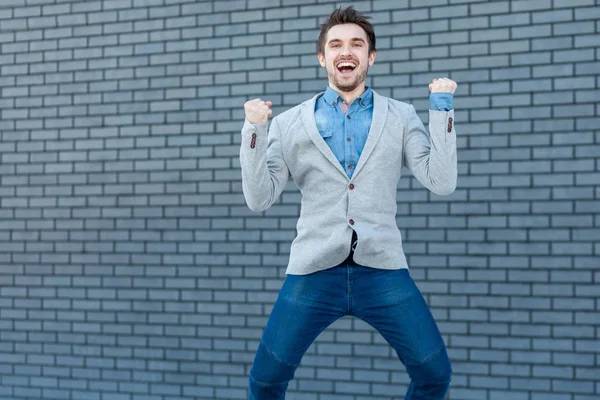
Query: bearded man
pixel 345 148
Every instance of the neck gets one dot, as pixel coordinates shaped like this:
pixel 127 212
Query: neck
pixel 349 96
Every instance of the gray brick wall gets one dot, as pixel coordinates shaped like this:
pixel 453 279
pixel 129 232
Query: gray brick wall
pixel 131 269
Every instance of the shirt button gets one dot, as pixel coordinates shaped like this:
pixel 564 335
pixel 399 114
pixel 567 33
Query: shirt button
pixel 349 166
pixel 348 116
pixel 333 104
pixel 351 222
pixel 348 139
pixel 351 186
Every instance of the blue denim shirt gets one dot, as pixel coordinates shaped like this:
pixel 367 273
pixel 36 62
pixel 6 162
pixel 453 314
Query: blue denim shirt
pixel 346 134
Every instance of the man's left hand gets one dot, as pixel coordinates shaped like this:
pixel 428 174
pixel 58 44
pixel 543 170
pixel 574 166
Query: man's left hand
pixel 442 85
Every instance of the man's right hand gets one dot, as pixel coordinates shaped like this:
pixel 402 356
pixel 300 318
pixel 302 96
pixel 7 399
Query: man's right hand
pixel 258 111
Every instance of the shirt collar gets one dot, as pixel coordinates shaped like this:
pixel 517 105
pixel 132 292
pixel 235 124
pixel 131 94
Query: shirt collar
pixel 333 98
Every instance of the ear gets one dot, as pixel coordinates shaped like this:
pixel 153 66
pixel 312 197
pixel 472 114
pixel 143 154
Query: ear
pixel 372 58
pixel 321 58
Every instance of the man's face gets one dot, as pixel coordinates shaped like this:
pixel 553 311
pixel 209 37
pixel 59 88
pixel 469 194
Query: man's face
pixel 346 57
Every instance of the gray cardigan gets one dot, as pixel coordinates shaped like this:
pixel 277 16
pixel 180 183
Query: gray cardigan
pixel 332 204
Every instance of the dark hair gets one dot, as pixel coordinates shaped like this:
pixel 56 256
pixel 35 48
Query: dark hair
pixel 346 16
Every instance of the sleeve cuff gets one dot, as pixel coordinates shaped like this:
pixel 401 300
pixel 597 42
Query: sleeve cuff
pixel 249 126
pixel 441 101
pixel 254 135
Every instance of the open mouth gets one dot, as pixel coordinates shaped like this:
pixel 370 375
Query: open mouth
pixel 346 67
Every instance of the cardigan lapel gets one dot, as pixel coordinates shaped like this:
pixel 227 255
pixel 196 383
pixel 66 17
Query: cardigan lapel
pixel 380 111
pixel 308 119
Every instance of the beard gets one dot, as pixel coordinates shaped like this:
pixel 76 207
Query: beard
pixel 346 84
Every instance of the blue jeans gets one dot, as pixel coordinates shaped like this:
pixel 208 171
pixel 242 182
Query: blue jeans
pixel 388 300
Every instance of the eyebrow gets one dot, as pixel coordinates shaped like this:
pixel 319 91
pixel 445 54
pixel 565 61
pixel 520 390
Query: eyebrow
pixel 356 39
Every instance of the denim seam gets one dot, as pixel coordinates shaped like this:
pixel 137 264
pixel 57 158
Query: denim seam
pixel 432 382
pixel 429 357
pixel 275 356
pixel 263 384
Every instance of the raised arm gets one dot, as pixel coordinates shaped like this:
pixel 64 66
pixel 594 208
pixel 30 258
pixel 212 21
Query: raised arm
pixel 432 158
pixel 264 172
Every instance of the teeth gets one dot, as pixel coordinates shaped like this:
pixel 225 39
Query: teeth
pixel 346 64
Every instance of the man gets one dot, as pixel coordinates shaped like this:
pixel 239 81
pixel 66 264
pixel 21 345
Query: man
pixel 344 149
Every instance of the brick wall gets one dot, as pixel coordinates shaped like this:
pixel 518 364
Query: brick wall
pixel 131 268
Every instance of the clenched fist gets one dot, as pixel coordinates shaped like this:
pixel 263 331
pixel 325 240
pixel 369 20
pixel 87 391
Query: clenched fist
pixel 442 85
pixel 258 111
